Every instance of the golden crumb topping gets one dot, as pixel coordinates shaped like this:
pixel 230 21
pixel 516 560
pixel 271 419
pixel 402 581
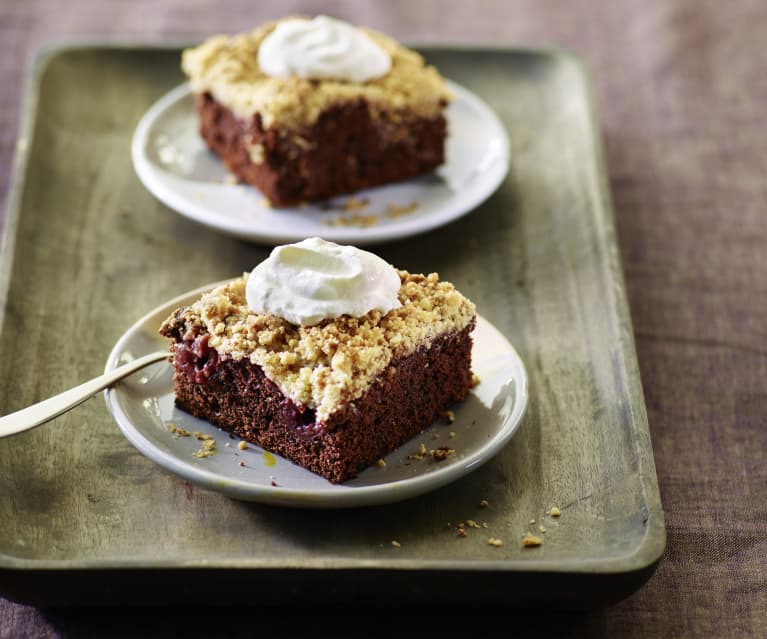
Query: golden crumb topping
pixel 326 365
pixel 530 540
pixel 227 68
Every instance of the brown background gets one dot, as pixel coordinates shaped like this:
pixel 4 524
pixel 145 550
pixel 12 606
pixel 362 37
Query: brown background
pixel 681 89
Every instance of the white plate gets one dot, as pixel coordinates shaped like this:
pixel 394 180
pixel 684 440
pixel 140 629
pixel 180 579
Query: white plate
pixel 143 408
pixel 175 165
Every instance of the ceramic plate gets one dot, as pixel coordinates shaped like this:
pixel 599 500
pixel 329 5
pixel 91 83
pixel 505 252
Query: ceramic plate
pixel 173 162
pixel 143 408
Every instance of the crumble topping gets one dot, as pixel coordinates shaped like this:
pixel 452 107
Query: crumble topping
pixel 420 455
pixel 395 211
pixel 442 453
pixel 354 204
pixel 326 365
pixel 448 416
pixel 356 219
pixel 178 431
pixel 256 153
pixel 531 541
pixel 355 215
pixel 227 68
pixel 207 447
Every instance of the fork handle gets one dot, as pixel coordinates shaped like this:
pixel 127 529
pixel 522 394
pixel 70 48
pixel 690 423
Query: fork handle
pixel 32 416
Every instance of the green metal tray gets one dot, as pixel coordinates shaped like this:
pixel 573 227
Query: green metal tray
pixel 85 519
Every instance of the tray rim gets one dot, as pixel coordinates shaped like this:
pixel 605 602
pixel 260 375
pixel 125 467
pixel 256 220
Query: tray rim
pixel 644 557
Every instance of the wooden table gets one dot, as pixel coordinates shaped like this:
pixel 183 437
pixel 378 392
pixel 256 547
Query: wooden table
pixel 681 91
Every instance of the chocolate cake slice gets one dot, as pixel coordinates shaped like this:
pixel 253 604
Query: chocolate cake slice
pixel 300 138
pixel 334 397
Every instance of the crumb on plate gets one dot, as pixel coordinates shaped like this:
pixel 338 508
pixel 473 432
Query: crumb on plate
pixel 530 540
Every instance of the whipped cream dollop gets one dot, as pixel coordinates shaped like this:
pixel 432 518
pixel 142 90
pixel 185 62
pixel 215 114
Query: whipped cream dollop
pixel 323 48
pixel 313 280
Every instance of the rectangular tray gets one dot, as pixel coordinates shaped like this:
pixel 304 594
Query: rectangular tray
pixel 85 519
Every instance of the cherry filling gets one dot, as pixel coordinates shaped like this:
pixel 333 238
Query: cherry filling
pixel 199 362
pixel 195 358
pixel 300 418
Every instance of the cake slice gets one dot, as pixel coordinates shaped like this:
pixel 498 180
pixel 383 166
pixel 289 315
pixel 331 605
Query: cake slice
pixel 306 110
pixel 334 396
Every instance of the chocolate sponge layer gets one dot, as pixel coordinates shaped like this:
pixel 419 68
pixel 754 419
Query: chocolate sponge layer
pixel 347 149
pixel 403 400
